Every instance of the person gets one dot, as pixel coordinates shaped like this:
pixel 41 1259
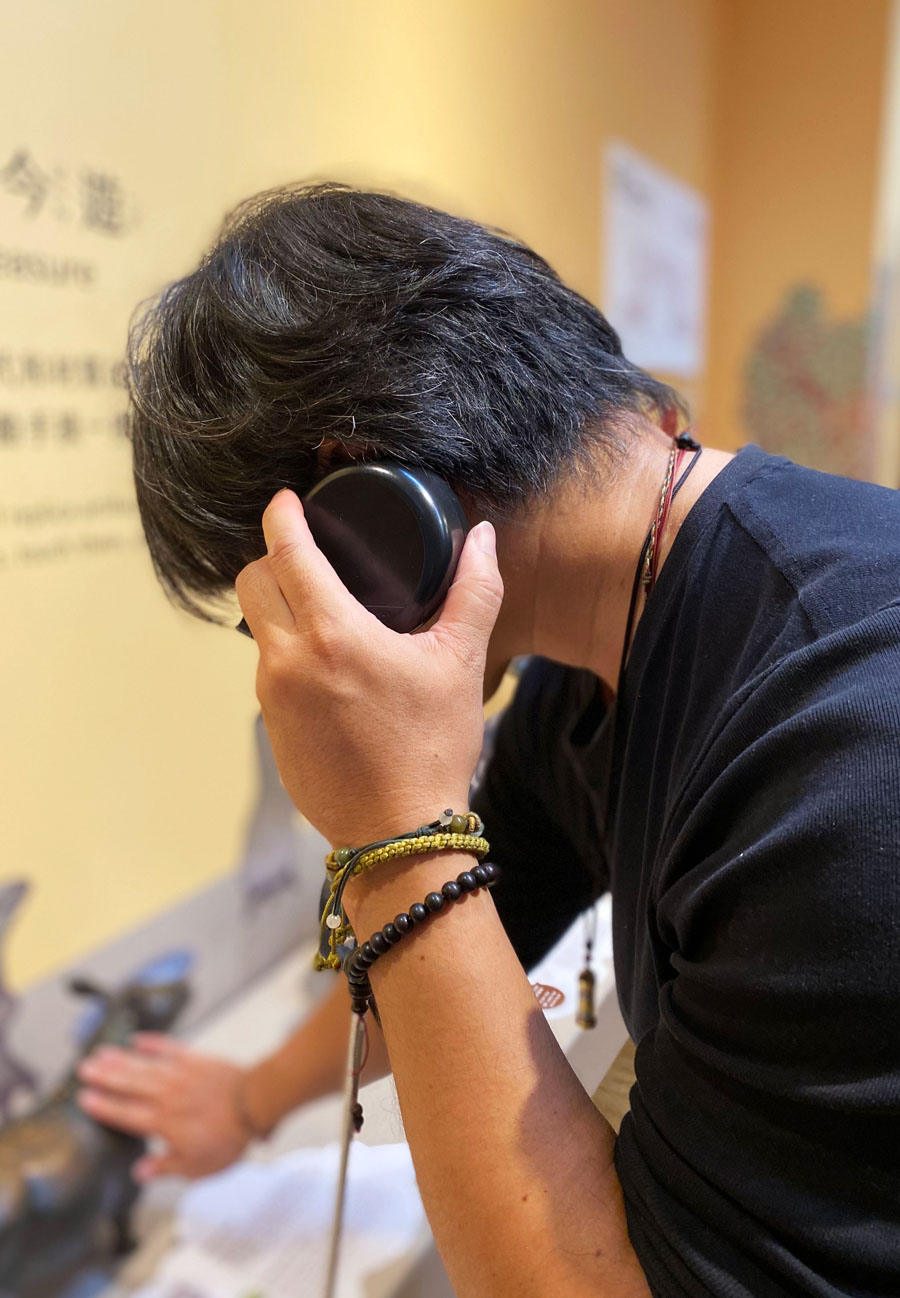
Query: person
pixel 708 728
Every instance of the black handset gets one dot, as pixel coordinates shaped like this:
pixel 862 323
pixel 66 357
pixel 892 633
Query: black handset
pixel 393 535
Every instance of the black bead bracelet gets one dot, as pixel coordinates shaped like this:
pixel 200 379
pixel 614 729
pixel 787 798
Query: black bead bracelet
pixel 360 960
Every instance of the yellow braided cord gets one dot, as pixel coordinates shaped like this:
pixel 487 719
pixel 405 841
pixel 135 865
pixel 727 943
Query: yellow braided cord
pixel 425 843
pixel 393 851
pixel 472 824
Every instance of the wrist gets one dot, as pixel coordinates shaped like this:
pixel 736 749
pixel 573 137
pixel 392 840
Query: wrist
pixel 400 818
pixel 249 1100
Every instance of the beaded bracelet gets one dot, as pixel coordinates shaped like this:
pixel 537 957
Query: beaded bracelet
pixel 450 832
pixel 360 960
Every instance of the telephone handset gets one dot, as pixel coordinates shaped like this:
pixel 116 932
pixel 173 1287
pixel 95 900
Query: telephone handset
pixel 393 535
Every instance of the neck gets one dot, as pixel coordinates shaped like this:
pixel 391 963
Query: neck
pixel 568 567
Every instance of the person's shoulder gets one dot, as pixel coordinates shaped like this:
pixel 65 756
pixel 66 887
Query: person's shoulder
pixel 818 728
pixel 857 664
pixel 836 540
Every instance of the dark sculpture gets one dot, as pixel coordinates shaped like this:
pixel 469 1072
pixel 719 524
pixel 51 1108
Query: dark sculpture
pixel 15 1077
pixel 66 1191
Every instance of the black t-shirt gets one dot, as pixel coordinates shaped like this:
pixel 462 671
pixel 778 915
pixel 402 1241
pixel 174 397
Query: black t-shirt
pixel 741 800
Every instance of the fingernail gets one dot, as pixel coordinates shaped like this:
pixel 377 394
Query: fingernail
pixel 486 538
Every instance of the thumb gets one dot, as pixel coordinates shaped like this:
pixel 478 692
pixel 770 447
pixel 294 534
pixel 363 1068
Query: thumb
pixel 473 602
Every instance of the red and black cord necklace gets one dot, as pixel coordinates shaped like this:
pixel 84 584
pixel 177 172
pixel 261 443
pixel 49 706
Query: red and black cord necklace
pixel 648 563
pixel 644 578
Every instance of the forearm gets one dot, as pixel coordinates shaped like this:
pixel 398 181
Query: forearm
pixel 513 1160
pixel 311 1062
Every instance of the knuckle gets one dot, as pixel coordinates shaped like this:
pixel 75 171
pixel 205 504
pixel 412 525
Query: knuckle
pixel 327 639
pixel 284 553
pixel 266 689
pixel 492 579
pixel 250 585
pixel 487 588
pixel 275 673
pixel 248 578
pixel 277 680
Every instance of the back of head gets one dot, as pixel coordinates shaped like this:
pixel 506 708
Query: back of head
pixel 325 314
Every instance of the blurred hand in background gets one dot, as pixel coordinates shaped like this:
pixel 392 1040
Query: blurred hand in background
pixel 161 1090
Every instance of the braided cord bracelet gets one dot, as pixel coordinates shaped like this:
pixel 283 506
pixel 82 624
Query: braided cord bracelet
pixel 450 832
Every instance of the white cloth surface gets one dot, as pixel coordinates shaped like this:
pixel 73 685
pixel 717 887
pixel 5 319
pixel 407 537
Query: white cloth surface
pixel 263 1230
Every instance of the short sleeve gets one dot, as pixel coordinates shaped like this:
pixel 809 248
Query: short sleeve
pixel 535 816
pixel 761 1158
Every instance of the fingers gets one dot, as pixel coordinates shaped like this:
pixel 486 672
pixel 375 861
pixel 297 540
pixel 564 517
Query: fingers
pixel 307 580
pixel 125 1073
pixel 158 1044
pixel 473 602
pixel 135 1116
pixel 261 600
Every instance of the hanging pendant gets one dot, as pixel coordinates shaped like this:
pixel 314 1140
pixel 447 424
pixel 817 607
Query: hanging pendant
pixel 586 1018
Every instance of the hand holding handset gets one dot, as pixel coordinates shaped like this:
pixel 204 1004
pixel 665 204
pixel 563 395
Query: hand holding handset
pixel 392 535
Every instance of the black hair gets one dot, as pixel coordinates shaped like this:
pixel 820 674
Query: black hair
pixel 397 330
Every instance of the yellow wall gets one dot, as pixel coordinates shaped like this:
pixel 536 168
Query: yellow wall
pixel 799 90
pixel 126 754
pixel 499 110
pixel 126 760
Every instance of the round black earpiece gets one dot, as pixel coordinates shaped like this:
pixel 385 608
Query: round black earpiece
pixel 393 535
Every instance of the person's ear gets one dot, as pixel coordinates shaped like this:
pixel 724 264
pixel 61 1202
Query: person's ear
pixel 332 453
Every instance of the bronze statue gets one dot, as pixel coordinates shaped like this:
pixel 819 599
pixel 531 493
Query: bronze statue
pixel 66 1191
pixel 15 1076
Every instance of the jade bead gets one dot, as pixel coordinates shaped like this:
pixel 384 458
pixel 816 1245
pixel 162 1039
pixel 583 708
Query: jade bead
pixel 343 855
pixel 458 824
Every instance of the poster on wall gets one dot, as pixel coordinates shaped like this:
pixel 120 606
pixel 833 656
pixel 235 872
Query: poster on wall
pixel 655 263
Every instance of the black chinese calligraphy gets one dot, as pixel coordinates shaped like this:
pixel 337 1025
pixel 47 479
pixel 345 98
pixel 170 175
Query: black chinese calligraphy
pixel 97 200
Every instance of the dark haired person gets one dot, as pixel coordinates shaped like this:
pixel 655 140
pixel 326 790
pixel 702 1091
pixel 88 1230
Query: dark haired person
pixel 728 766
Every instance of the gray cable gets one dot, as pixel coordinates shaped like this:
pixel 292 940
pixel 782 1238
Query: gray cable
pixel 351 1092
